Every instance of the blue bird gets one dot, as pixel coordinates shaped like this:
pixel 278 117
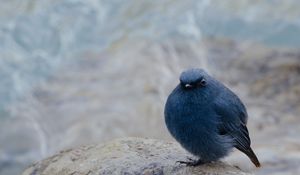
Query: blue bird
pixel 207 118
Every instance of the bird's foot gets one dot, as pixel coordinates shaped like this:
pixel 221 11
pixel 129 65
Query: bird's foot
pixel 191 162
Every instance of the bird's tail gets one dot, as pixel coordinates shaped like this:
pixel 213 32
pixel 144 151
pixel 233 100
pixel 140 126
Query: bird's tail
pixel 252 157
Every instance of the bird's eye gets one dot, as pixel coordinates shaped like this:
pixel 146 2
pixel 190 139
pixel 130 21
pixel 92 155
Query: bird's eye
pixel 203 82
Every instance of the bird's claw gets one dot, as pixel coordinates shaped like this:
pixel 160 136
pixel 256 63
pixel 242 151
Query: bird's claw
pixel 190 159
pixel 191 162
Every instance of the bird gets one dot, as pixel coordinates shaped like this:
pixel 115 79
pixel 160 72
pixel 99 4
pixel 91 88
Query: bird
pixel 207 118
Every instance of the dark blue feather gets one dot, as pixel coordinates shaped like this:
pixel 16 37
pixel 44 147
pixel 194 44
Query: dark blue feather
pixel 207 118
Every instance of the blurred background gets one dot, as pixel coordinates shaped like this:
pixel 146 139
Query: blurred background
pixel 76 72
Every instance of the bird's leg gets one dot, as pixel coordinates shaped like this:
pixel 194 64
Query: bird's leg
pixel 192 162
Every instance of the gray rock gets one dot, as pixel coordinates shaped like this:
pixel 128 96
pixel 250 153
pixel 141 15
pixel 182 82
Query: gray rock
pixel 126 156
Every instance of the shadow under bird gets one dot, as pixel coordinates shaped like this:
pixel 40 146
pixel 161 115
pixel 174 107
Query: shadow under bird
pixel 207 118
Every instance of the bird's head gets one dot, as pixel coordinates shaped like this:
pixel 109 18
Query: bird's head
pixel 193 78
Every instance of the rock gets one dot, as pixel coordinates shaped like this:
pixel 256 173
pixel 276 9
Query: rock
pixel 126 156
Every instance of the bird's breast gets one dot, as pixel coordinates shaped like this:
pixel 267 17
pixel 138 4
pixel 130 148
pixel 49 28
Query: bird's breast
pixel 187 117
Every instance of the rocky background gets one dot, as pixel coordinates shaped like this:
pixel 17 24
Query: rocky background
pixel 127 156
pixel 79 72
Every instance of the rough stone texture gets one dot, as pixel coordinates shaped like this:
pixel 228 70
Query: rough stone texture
pixel 126 156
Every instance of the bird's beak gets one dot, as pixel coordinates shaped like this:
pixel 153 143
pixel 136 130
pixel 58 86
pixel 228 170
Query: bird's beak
pixel 187 85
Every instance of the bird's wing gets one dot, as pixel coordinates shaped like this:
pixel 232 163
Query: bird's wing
pixel 233 120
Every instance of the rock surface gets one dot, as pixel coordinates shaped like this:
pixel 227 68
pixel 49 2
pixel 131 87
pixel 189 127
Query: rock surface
pixel 126 156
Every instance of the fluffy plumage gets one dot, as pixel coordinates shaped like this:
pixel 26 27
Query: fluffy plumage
pixel 207 118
